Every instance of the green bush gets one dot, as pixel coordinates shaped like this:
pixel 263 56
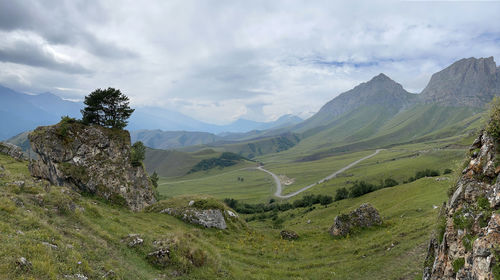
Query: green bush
pixel 137 153
pixel 341 193
pixel 493 126
pixel 447 171
pixel 458 264
pixel 360 188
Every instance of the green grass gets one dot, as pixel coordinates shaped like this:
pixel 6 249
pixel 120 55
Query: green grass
pixel 89 231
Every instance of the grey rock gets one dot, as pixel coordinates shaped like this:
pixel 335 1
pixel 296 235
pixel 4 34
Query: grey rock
pixel 209 218
pixel 12 151
pixel 133 240
pixel 91 159
pixel 364 216
pixel 23 264
pixel 160 257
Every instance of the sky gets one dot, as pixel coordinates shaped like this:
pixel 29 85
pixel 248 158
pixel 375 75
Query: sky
pixel 220 60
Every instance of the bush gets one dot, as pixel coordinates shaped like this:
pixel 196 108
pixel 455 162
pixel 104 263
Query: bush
pixel 389 182
pixel 493 126
pixel 458 264
pixel 360 188
pixel 341 193
pixel 137 153
pixel 447 171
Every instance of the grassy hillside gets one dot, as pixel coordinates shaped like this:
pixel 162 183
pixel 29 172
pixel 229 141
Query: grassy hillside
pixel 88 233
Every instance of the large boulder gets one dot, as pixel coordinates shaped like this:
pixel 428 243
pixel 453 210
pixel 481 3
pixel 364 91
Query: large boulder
pixel 364 216
pixel 91 159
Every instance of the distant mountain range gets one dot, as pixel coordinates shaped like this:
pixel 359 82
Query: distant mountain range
pixel 25 112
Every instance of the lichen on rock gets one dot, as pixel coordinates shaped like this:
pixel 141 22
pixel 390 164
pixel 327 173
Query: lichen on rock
pixel 91 159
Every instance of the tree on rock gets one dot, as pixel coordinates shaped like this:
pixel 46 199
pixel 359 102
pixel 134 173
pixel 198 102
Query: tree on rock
pixel 109 107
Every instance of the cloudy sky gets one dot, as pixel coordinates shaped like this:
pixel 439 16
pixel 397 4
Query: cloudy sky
pixel 219 60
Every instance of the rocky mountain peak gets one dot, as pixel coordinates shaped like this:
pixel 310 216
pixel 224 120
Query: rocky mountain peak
pixel 467 82
pixel 380 90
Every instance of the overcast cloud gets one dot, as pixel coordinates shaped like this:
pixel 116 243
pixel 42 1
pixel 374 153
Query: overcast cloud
pixel 221 60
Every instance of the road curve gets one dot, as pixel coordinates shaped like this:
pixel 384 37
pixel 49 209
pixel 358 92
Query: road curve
pixel 333 175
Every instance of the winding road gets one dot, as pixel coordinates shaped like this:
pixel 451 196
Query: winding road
pixel 333 175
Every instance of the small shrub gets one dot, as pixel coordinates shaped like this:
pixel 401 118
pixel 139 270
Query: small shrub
pixel 458 264
pixel 447 171
pixel 461 221
pixel 341 193
pixel 493 126
pixel 468 242
pixel 137 153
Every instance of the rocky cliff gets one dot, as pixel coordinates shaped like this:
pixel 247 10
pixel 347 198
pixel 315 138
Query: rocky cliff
pixel 91 159
pixel 12 151
pixel 468 245
pixel 467 82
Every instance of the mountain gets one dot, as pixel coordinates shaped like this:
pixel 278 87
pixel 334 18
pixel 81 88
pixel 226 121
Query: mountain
pixel 379 91
pixel 26 112
pixel 468 82
pixel 159 139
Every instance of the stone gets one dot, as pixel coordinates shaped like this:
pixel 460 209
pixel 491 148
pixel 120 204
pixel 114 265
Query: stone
pixel 191 203
pixel 76 276
pixel 23 264
pixel 20 184
pixel 289 235
pixel 209 218
pixel 12 151
pixel 91 159
pixel 52 246
pixel 364 216
pixel 231 214
pixel 133 240
pixel 160 257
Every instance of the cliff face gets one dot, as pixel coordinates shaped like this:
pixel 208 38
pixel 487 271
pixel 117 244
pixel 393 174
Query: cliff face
pixel 469 241
pixel 92 160
pixel 467 82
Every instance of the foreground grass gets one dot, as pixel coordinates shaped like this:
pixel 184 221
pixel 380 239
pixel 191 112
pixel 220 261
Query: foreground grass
pixel 88 233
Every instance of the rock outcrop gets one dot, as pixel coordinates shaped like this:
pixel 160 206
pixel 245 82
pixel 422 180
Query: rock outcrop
pixel 12 151
pixel 469 241
pixel 364 216
pixel 467 82
pixel 91 159
pixel 209 218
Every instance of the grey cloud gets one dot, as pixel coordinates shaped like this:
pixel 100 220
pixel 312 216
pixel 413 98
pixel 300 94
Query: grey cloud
pixel 61 23
pixel 34 55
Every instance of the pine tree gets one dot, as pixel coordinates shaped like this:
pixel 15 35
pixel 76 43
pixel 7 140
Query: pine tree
pixel 109 107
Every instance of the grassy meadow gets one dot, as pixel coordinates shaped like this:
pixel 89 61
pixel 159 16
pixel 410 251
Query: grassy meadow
pixel 88 236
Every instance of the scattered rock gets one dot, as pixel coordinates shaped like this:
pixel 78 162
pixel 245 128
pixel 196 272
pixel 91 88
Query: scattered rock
pixel 91 159
pixel 231 214
pixel 77 276
pixel 365 216
pixel 308 221
pixel 160 257
pixel 289 235
pixel 19 232
pixel 110 274
pixel 53 246
pixel 20 184
pixel 23 264
pixel 191 203
pixel 133 240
